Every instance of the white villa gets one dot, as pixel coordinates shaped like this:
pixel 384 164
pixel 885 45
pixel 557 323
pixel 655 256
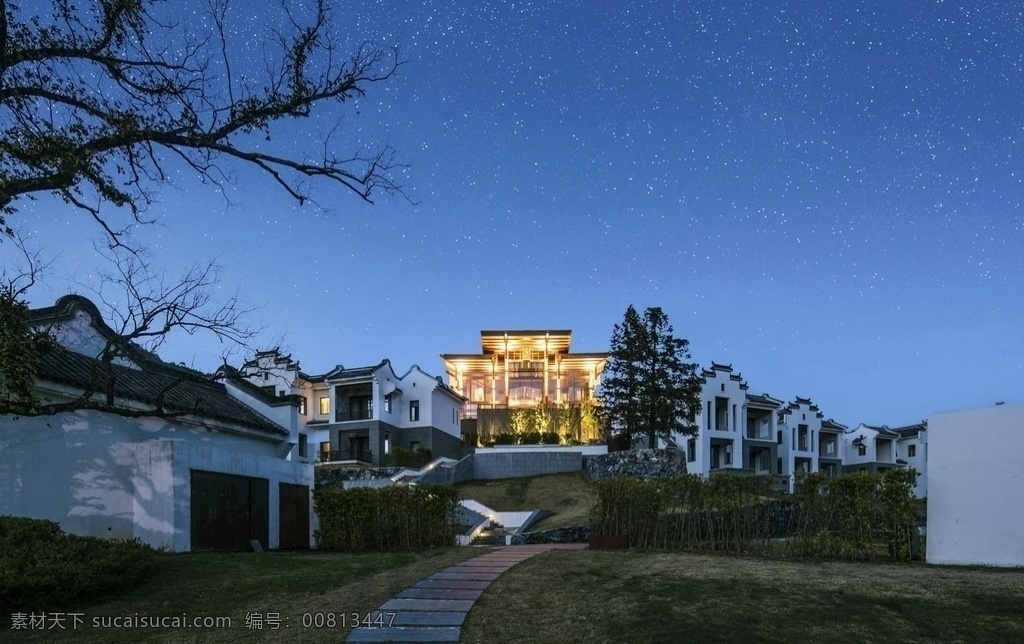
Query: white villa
pixel 358 415
pixel 741 432
pixel 871 448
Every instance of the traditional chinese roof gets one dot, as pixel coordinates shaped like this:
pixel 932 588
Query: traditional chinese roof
pixel 909 431
pixel 150 380
pixel 181 390
pixel 763 400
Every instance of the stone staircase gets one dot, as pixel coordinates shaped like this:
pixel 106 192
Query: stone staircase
pixel 492 536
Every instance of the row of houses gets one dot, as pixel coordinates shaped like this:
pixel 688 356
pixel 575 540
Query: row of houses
pixel 741 432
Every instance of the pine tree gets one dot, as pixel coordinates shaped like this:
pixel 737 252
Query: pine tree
pixel 648 389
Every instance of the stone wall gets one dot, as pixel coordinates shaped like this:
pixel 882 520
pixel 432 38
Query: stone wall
pixel 504 465
pixel 643 464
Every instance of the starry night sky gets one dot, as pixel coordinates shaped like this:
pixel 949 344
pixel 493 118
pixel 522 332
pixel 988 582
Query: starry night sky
pixel 825 195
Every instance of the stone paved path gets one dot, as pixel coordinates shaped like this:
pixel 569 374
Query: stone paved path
pixel 433 609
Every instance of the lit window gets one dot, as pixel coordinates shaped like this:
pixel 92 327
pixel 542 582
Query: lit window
pixel 414 410
pixel 325 405
pixel 302 405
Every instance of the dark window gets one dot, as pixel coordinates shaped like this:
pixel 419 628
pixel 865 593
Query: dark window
pixel 778 437
pixel 303 445
pixel 862 450
pixel 270 389
pixel 691 450
pixel 723 386
pixel 780 465
pixel 387 404
pixel 280 393
pixel 414 410
pixel 414 445
pixel 912 451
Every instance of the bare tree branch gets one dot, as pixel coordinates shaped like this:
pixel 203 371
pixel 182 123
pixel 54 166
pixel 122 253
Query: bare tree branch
pixel 16 279
pixel 99 94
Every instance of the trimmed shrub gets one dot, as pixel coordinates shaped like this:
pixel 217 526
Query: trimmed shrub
pixel 399 516
pixel 43 568
pixel 400 457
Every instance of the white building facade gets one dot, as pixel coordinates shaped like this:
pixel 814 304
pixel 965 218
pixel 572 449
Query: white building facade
pixel 740 432
pixel 976 486
pixel 359 415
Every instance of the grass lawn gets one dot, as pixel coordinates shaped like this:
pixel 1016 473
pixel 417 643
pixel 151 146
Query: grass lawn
pixel 655 596
pixel 232 584
pixel 567 496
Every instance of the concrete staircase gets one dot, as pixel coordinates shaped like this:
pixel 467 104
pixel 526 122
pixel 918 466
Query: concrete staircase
pixel 492 536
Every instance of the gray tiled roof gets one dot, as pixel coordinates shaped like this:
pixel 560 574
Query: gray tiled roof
pixel 184 390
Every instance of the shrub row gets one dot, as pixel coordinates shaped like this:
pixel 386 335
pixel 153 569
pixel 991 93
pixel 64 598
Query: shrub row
pixel 853 516
pixel 43 568
pixel 399 516
pixel 527 438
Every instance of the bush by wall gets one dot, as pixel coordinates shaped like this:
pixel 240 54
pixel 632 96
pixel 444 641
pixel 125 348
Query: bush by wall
pixel 854 516
pixel 400 457
pixel 399 516
pixel 43 568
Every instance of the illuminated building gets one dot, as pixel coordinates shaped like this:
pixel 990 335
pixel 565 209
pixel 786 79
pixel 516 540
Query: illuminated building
pixel 522 370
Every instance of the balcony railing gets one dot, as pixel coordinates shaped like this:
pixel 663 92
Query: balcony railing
pixel 346 455
pixel 345 415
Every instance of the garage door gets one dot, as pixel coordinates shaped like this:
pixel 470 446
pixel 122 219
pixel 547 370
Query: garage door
pixel 294 516
pixel 228 511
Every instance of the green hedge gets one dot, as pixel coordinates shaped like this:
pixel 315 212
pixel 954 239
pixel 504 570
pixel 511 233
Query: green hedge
pixel 399 516
pixel 43 568
pixel 400 457
pixel 854 516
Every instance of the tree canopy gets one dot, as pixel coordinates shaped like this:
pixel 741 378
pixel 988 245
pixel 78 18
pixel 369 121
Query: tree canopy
pixel 648 388
pixel 100 97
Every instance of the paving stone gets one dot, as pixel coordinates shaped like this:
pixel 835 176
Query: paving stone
pixel 453 584
pixel 427 604
pixel 476 569
pixel 427 618
pixel 438 593
pixel 406 634
pixel 473 576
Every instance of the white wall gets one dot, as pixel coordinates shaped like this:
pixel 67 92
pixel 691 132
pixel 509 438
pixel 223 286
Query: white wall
pixel 918 462
pixel 435 405
pixel 104 475
pixel 852 451
pixel 976 487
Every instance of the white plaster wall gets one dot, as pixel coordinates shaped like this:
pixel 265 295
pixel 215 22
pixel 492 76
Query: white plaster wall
pixel 446 411
pixel 287 416
pixel 383 379
pixel 869 435
pixel 976 487
pixel 416 385
pixel 104 475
